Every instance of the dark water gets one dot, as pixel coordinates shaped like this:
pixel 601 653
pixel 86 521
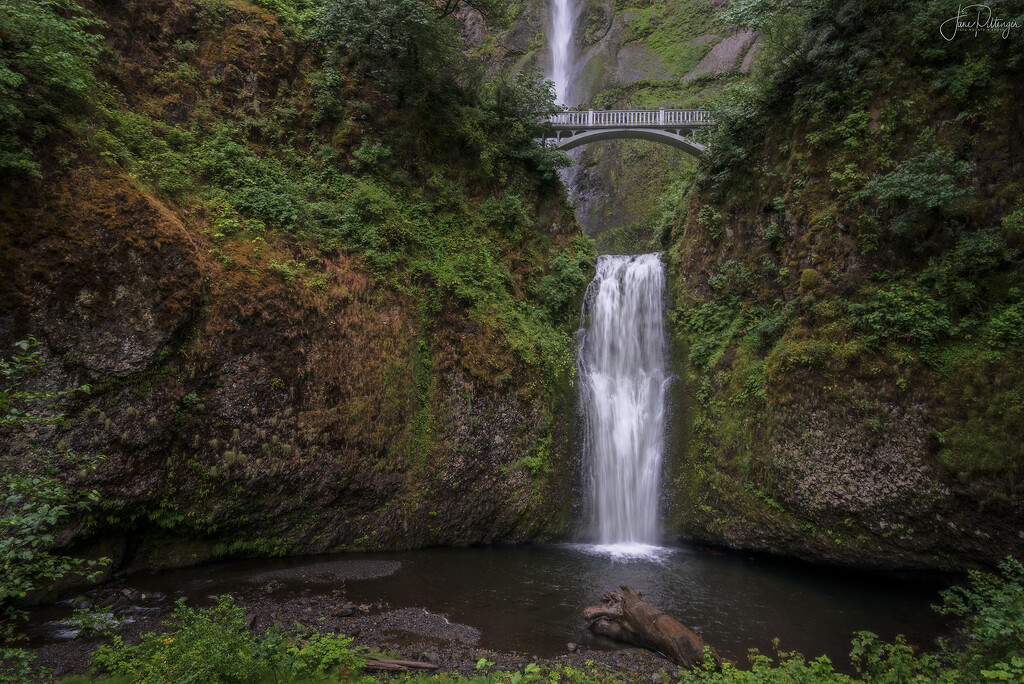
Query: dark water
pixel 529 598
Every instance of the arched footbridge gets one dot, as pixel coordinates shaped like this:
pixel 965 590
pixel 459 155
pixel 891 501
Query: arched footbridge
pixel 567 130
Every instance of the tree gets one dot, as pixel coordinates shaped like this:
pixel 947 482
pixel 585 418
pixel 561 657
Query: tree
pixel 515 107
pixel 401 44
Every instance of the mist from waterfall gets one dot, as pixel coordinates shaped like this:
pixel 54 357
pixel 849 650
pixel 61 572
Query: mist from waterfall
pixel 623 380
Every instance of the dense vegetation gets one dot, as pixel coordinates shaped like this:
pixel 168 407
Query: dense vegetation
pixel 333 187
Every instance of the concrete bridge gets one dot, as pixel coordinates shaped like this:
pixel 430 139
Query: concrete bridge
pixel 670 126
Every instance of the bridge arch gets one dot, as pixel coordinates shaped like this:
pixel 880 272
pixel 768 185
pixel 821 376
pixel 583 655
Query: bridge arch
pixel 672 138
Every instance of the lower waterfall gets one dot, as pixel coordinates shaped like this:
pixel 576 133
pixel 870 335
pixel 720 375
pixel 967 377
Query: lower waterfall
pixel 623 380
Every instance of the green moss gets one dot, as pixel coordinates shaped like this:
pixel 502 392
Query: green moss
pixel 667 29
pixel 809 280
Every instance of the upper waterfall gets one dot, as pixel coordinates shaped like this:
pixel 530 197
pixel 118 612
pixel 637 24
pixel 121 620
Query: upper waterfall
pixel 563 22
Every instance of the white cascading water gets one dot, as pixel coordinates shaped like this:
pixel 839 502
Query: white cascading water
pixel 563 21
pixel 623 381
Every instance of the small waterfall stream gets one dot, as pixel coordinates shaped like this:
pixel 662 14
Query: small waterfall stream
pixel 623 378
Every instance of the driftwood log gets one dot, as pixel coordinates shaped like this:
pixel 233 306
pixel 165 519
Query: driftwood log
pixel 626 616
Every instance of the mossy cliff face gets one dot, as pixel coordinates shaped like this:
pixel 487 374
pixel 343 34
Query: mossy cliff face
pixel 254 392
pixel 847 303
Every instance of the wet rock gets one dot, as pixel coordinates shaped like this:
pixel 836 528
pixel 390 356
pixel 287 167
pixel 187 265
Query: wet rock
pixel 81 603
pixel 347 609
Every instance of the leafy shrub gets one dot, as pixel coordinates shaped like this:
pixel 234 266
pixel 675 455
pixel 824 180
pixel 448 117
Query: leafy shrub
pixel 732 277
pixel 1005 330
pixel 930 180
pixel 569 275
pixel 33 502
pixel 509 214
pixel 150 150
pixel 956 274
pixel 713 325
pixel 903 313
pixel 992 609
pixel 373 222
pixel 258 187
pixel 774 234
pixel 791 667
pixel 370 156
pixel 211 645
pixel 292 12
pixel 765 328
pixel 711 221
pixel 321 653
pixel 1013 224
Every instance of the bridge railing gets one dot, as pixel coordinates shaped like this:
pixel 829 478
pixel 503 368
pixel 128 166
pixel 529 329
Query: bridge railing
pixel 595 118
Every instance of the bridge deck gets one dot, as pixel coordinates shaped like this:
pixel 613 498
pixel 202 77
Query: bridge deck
pixel 641 118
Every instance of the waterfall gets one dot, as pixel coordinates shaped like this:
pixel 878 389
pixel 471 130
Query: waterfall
pixel 623 378
pixel 563 21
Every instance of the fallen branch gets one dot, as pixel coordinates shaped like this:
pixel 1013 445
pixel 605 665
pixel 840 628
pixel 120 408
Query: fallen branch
pixel 626 616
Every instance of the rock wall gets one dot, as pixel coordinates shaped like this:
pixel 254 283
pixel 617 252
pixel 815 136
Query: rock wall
pixel 258 395
pixel 847 397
